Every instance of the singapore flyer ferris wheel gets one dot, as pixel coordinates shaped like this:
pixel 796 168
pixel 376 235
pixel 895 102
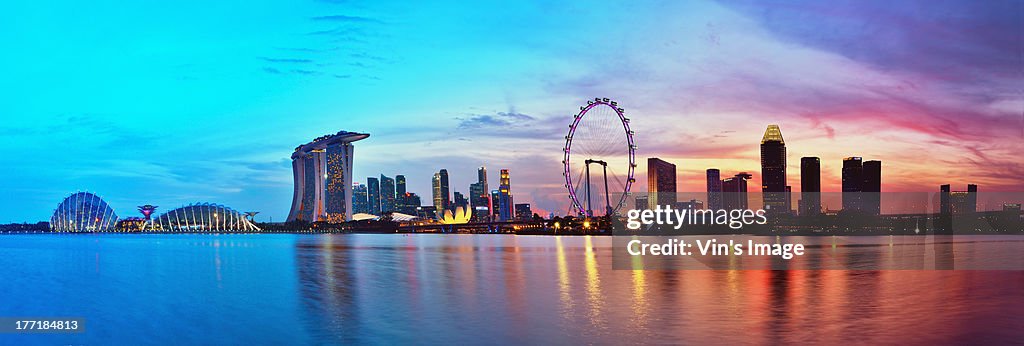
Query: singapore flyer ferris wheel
pixel 599 158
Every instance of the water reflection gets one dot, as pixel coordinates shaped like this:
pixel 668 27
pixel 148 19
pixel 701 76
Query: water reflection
pixel 521 289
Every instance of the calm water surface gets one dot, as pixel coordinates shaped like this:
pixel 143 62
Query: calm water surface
pixel 386 289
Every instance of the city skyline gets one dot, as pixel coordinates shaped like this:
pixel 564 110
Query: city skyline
pixel 168 113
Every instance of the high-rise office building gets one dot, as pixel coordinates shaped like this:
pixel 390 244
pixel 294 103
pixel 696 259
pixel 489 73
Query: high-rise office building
pixel 360 203
pixel 734 191
pixel 459 200
pixel 810 186
pixel 773 170
pixel 853 180
pixel 409 203
pixel 322 171
pixel 400 194
pixel 387 194
pixel 400 185
pixel 496 204
pixel 523 212
pixel 479 199
pixel 661 183
pixel 505 201
pixel 714 177
pixel 958 202
pixel 373 195
pixel 641 202
pixel 871 188
pixel 446 192
pixel 436 189
pixel 311 204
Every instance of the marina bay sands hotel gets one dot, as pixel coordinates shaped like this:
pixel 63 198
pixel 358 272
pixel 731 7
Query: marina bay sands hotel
pixel 323 178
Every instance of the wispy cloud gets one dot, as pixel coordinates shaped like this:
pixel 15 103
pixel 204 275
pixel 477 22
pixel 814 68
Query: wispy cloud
pixel 502 119
pixel 346 19
pixel 287 60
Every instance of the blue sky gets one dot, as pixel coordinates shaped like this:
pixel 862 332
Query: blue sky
pixel 179 102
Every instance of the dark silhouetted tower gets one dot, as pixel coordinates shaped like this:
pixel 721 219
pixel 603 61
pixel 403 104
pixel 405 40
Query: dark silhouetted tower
pixel 810 186
pixel 734 191
pixel 871 190
pixel 714 177
pixel 853 179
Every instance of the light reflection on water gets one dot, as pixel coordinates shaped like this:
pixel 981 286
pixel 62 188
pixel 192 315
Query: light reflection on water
pixel 299 289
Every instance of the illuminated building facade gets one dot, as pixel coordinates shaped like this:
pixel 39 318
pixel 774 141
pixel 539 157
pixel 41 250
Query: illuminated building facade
pixel 408 203
pixel 387 194
pixel 400 185
pixel 523 212
pixel 436 192
pixel 322 171
pixel 479 199
pixel 661 182
pixel 83 212
pixel 338 182
pixel 505 201
pixel 958 202
pixel 360 202
pixel 495 204
pixel 204 217
pixel 373 195
pixel 773 170
pixel 446 192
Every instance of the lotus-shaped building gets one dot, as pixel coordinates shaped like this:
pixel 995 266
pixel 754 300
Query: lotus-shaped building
pixel 83 212
pixel 461 215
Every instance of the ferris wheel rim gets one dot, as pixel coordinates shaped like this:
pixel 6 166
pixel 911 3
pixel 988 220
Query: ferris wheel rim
pixel 567 151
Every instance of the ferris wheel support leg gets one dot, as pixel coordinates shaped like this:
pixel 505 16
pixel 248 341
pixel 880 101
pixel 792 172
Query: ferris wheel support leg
pixel 589 210
pixel 607 200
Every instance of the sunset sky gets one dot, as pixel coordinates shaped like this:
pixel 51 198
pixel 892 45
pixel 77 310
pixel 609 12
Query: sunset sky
pixel 169 103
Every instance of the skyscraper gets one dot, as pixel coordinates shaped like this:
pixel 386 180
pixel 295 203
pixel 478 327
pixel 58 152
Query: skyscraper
pixel 360 204
pixel 495 204
pixel 436 189
pixel 479 199
pixel 387 194
pixel 373 194
pixel 641 202
pixel 523 212
pixel 773 169
pixel 505 202
pixel 408 203
pixel 400 194
pixel 958 202
pixel 446 194
pixel 459 200
pixel 661 183
pixel 734 191
pixel 322 172
pixel 312 202
pixel 400 185
pixel 853 179
pixel 714 177
pixel 871 188
pixel 810 186
pixel 338 184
